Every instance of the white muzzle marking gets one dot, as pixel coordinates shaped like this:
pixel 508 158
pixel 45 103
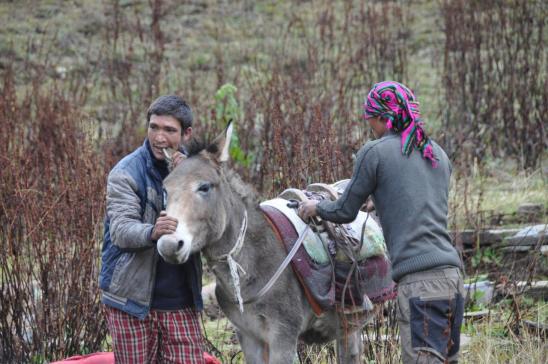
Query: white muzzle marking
pixel 168 245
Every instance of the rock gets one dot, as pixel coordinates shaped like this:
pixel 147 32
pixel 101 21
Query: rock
pixel 465 340
pixel 479 292
pixel 531 235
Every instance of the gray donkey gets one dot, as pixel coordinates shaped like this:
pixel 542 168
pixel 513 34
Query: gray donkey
pixel 212 206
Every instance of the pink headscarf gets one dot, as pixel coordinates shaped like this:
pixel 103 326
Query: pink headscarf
pixel 396 104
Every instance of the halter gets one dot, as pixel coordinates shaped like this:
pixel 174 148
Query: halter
pixel 233 265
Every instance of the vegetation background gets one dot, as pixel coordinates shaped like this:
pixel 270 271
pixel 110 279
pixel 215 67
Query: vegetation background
pixel 77 77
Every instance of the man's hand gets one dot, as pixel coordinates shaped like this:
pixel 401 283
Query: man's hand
pixel 177 158
pixel 164 225
pixel 307 209
pixel 369 205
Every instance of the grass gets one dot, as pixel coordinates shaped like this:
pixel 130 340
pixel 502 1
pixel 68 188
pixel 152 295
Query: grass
pixel 221 335
pixel 490 340
pixel 495 340
pixel 504 194
pixel 495 188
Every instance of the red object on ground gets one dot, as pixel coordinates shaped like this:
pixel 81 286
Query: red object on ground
pixel 95 358
pixel 108 358
pixel 210 359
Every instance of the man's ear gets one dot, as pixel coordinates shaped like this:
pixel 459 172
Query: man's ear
pixel 186 135
pixel 220 146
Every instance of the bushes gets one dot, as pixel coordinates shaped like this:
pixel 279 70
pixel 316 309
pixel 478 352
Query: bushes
pixel 51 207
pixel 303 116
pixel 495 80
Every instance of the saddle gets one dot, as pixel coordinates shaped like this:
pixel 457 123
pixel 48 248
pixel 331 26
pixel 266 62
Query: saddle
pixel 339 266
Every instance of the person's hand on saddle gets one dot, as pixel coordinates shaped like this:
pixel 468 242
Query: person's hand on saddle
pixel 369 205
pixel 307 209
pixel 164 225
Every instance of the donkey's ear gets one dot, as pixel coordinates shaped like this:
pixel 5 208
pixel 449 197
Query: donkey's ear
pixel 219 147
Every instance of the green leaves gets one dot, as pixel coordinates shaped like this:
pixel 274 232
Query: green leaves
pixel 226 104
pixel 227 109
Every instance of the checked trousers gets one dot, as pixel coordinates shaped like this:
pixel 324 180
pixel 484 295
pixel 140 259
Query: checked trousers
pixel 162 337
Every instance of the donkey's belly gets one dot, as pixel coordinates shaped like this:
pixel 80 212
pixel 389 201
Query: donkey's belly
pixel 321 330
pixel 332 325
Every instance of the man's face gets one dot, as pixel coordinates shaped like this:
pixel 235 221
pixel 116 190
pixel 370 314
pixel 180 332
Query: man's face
pixel 164 131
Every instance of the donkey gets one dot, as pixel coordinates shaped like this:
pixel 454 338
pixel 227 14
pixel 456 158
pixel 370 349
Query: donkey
pixel 211 204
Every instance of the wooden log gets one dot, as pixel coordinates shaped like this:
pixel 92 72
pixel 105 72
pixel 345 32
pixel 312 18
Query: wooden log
pixel 537 289
pixel 536 328
pixel 468 237
pixel 531 235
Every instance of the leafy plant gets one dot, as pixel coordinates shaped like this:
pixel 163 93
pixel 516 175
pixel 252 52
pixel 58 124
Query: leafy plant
pixel 487 255
pixel 227 109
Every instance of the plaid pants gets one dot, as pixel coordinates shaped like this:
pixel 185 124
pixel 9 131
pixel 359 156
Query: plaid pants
pixel 162 337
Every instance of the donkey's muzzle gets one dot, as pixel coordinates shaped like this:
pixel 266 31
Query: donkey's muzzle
pixel 172 249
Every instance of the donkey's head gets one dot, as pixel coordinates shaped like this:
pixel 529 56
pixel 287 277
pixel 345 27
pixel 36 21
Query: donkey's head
pixel 197 196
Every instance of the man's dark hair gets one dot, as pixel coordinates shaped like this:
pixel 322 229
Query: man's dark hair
pixel 171 105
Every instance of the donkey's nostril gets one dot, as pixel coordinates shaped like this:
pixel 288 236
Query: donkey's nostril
pixel 181 243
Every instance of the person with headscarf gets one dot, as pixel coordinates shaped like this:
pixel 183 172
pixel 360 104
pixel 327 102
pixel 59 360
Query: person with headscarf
pixel 407 174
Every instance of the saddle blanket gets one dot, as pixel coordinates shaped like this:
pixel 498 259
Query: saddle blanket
pixel 363 229
pixel 328 282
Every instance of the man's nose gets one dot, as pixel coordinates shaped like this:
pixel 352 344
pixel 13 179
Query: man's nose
pixel 160 137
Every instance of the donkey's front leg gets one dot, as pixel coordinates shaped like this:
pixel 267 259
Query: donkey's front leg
pixel 283 350
pixel 349 348
pixel 255 350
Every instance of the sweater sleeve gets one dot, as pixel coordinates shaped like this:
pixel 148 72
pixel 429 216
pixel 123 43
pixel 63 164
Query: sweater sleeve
pixel 363 183
pixel 124 211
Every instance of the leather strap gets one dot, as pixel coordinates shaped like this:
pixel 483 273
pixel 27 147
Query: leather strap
pixel 281 268
pixel 287 235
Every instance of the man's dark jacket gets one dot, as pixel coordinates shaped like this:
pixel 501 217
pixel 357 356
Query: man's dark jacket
pixel 129 256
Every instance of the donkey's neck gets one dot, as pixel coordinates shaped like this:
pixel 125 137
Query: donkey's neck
pixel 254 236
pixel 241 198
pixel 260 255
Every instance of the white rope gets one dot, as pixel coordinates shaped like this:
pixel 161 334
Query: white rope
pixel 234 265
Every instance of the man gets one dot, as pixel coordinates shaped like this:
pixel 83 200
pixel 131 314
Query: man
pixel 408 176
pixel 152 306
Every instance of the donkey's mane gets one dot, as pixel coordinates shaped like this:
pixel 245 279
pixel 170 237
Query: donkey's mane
pixel 244 190
pixel 195 146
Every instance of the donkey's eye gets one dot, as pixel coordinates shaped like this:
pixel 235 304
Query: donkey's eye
pixel 204 187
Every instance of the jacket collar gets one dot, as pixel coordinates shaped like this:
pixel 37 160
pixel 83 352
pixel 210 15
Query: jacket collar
pixel 149 158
